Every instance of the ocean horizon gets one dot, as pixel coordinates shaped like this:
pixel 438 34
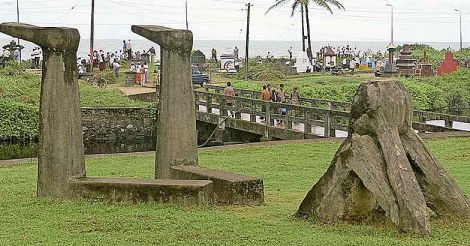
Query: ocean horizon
pixel 257 47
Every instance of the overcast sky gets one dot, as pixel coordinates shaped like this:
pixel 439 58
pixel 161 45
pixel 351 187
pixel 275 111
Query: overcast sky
pixel 363 20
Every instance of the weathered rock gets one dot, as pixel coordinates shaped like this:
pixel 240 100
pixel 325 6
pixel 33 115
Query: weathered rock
pixel 384 168
pixel 176 126
pixel 60 153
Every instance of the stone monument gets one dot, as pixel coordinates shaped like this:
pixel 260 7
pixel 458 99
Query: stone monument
pixel 176 126
pixel 390 69
pixel 406 63
pixel 60 152
pixel 384 170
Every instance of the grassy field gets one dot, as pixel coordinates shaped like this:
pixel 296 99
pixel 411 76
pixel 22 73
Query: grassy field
pixel 288 170
pixel 25 88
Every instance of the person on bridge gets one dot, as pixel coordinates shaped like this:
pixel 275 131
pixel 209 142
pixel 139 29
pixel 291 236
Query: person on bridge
pixel 230 92
pixel 281 95
pixel 294 99
pixel 294 96
pixel 265 96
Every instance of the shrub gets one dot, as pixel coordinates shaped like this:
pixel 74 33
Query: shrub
pixel 264 71
pixel 457 100
pixel 18 120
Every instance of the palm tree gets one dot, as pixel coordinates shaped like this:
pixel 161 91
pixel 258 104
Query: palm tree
pixel 326 4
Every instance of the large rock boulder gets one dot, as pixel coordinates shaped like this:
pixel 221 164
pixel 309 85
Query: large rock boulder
pixel 383 169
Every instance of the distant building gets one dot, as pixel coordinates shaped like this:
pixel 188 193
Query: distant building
pixel 448 66
pixel 329 58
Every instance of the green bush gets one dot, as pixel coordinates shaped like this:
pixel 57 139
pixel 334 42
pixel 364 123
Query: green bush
pixel 457 100
pixel 425 96
pixel 20 97
pixel 22 88
pixel 13 68
pixel 18 120
pixel 264 71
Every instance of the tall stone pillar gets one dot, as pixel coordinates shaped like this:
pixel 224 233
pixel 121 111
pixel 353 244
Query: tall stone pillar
pixel 60 150
pixel 176 127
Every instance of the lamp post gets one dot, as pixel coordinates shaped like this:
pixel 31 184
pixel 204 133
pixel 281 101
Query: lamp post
pixel 460 13
pixel 391 6
pixel 18 20
pixel 186 11
pixel 390 68
pixel 92 34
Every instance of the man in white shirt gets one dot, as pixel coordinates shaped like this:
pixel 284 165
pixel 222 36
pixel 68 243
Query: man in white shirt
pixel 352 66
pixel 116 67
pixel 6 54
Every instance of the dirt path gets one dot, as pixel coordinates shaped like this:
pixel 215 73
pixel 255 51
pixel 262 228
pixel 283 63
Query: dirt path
pixel 136 90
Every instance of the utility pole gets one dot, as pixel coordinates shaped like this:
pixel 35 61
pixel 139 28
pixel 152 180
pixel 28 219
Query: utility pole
pixel 92 33
pixel 18 20
pixel 460 13
pixel 247 38
pixel 392 21
pixel 303 28
pixel 186 8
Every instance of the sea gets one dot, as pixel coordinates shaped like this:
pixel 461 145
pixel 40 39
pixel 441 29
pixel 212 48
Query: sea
pixel 257 47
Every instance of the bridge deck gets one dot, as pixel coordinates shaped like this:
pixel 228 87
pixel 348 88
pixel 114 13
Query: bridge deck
pixel 265 118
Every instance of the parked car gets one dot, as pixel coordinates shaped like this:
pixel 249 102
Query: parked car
pixel 198 77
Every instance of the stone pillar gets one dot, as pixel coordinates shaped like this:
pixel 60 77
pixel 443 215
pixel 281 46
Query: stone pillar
pixel 60 152
pixel 176 129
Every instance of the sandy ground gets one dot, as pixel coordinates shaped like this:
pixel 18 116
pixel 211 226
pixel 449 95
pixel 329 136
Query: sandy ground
pixel 136 90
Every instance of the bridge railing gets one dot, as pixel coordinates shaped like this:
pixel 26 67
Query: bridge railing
pixel 423 116
pixel 419 116
pixel 286 115
pixel 309 102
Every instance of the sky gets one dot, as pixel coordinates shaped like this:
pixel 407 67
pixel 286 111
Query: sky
pixel 363 20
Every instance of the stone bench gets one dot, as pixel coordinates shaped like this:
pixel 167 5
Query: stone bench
pixel 183 192
pixel 229 188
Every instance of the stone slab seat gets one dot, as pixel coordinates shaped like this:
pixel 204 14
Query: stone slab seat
pixel 183 192
pixel 229 188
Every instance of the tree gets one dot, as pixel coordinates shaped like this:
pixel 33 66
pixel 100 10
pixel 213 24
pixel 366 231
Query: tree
pixel 326 4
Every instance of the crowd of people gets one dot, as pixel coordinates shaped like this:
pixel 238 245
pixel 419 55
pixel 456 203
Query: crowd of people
pixel 268 94
pixel 349 52
pixel 11 51
pixel 141 73
pixel 138 62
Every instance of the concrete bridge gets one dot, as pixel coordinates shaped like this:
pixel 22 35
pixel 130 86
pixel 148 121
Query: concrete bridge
pixel 311 118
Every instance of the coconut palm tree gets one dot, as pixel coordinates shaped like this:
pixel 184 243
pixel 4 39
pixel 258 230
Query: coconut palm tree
pixel 326 4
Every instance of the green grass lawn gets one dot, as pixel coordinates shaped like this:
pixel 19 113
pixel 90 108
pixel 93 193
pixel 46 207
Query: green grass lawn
pixel 288 170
